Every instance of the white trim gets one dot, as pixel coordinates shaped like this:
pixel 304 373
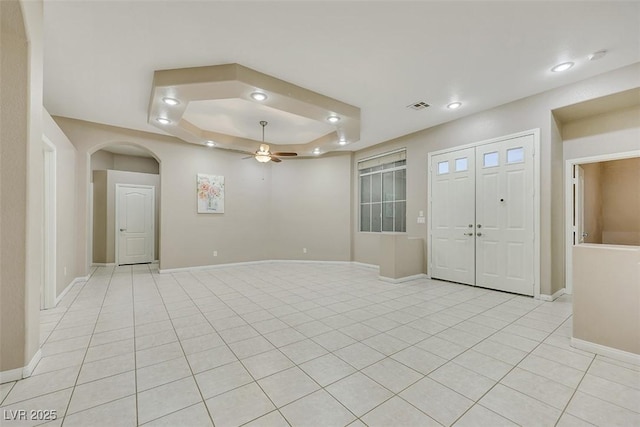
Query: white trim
pixel 266 261
pixel 103 264
pixel 603 350
pixel 69 286
pixel 28 370
pixel 535 132
pixel 536 196
pixel 553 297
pixel 364 264
pixel 11 375
pixel 49 277
pixel 375 156
pixel 20 373
pixel 403 279
pixel 117 217
pixel 568 204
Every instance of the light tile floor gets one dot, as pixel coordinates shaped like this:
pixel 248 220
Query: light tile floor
pixel 313 345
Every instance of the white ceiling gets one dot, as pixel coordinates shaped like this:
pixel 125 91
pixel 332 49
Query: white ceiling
pixel 379 56
pixel 239 117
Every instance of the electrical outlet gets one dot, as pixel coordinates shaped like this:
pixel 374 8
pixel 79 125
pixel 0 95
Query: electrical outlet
pixel 215 253
pixel 421 220
pixel 304 250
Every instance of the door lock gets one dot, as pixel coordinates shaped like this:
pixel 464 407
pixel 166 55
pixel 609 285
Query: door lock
pixel 468 234
pixel 478 234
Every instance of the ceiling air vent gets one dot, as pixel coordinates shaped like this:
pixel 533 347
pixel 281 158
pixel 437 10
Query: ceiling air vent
pixel 421 105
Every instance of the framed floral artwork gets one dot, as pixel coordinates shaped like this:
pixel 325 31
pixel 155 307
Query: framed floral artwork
pixel 210 193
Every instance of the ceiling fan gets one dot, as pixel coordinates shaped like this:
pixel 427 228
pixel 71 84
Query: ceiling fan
pixel 263 155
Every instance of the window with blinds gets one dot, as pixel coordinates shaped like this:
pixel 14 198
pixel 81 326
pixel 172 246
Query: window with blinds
pixel 383 194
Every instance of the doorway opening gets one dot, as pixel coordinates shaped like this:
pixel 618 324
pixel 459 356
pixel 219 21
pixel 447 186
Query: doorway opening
pixel 48 282
pixel 114 169
pixel 603 203
pixel 484 214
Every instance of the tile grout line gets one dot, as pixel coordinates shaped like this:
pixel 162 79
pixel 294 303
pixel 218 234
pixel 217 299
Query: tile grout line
pixel 564 410
pixel 234 353
pixel 510 370
pixel 66 412
pixel 183 351
pixel 242 294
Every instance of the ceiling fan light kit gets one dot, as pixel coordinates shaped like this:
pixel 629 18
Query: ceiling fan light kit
pixel 263 155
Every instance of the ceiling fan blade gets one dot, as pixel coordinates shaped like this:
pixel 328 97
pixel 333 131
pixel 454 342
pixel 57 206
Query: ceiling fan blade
pixel 275 159
pixel 285 154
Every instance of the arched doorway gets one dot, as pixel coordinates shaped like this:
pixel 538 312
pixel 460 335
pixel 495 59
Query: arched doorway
pixel 123 170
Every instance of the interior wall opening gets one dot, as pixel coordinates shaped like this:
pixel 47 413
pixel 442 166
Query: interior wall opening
pixel 113 168
pixel 607 202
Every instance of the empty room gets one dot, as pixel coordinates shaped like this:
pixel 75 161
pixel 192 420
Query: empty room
pixel 319 213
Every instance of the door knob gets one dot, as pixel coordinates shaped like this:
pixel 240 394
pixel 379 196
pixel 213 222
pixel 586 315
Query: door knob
pixel 478 234
pixel 585 234
pixel 123 229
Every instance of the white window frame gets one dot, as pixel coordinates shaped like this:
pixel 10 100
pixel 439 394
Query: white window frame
pixel 382 202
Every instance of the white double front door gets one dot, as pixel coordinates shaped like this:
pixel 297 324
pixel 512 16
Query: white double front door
pixel 482 216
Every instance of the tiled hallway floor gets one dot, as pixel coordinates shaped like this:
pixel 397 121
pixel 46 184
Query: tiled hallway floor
pixel 313 345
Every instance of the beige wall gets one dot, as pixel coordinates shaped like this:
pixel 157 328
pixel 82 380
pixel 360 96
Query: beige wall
pixel 135 164
pixel 606 296
pixel 100 209
pixel 310 208
pixel 593 202
pixel 271 211
pixel 614 132
pixel 13 185
pixel 621 202
pixel 21 177
pixel 101 160
pixel 525 114
pixel 104 210
pixel 66 227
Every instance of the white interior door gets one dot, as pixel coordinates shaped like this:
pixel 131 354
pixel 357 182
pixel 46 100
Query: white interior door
pixel 134 224
pixel 578 213
pixel 504 215
pixel 453 216
pixel 482 216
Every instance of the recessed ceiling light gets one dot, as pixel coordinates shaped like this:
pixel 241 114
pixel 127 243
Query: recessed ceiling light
pixel 333 119
pixel 562 67
pixel 454 105
pixel 597 55
pixel 259 96
pixel 316 151
pixel 170 101
pixel 210 143
pixel 163 120
pixel 342 141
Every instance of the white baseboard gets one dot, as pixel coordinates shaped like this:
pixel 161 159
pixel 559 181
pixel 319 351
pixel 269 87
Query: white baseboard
pixel 103 264
pixel 210 267
pixel 403 279
pixel 362 264
pixel 553 297
pixel 267 261
pixel 69 286
pixel 603 350
pixel 20 373
pixel 12 375
pixel 28 370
